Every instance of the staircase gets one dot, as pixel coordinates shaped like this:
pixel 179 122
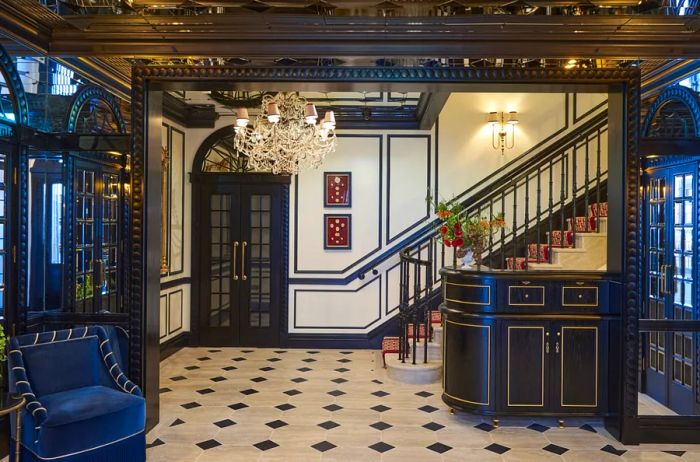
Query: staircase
pixel 584 246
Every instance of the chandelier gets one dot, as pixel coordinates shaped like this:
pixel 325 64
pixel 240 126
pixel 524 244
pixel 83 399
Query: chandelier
pixel 285 137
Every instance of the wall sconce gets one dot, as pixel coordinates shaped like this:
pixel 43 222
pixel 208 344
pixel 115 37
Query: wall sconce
pixel 503 129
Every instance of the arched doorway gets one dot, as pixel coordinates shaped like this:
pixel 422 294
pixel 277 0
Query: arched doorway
pixel 670 358
pixel 239 247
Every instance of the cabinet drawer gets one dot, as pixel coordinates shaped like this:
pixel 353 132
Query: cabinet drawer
pixel 526 295
pixel 579 295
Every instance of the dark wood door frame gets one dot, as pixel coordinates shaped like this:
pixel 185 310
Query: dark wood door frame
pixel 622 86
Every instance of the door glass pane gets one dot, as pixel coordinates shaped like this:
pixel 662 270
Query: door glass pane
pixel 3 228
pixel 220 261
pixel 260 262
pixel 109 264
pixel 84 240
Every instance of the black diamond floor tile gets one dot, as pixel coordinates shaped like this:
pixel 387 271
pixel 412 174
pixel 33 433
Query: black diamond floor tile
pixel 428 408
pixel 277 424
pixel 588 428
pixel 285 407
pixel 267 369
pixel 497 448
pixel 177 422
pixel 336 393
pixel 313 352
pixel 381 393
pixel 485 427
pixel 381 447
pixel 299 380
pixel 229 368
pixel 258 379
pixel 424 394
pixel 239 359
pixel 328 425
pixel 378 382
pixel 434 426
pixel 675 453
pixel 191 405
pixel 346 352
pixel 611 450
pixel 342 369
pixel 218 379
pixel 266 445
pixel 538 428
pixel 339 380
pixel 439 448
pixel 380 408
pixel 279 352
pixel 192 368
pixel 238 406
pixel 204 358
pixel 164 390
pixel 205 391
pixel 178 378
pixel 381 425
pixel 213 351
pixel 247 351
pixel 224 423
pixel 304 369
pixel 323 446
pixel 553 448
pixel 249 391
pixel 156 442
pixel 208 444
pixel 274 360
pixel 345 360
pixel 309 360
pixel 292 392
pixel 332 407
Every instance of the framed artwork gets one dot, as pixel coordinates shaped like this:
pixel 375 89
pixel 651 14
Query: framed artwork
pixel 337 233
pixel 337 192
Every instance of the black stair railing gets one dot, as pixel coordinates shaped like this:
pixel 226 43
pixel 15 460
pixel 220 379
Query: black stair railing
pixel 416 288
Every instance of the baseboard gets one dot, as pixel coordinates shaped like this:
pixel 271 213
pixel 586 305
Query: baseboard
pixel 174 345
pixel 368 341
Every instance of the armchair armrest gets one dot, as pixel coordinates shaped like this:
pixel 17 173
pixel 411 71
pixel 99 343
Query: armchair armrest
pixel 112 365
pixel 22 385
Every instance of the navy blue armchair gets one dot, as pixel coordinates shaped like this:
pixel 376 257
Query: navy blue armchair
pixel 80 405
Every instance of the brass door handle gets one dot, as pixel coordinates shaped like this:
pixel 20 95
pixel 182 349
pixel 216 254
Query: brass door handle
pixel 233 260
pixel 243 276
pixel 546 347
pixel 556 347
pixel 662 279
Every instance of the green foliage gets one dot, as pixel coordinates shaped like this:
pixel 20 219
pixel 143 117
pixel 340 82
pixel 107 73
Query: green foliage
pixel 3 344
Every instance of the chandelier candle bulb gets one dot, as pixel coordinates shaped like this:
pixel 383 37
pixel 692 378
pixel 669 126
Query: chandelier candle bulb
pixel 242 118
pixel 310 114
pixel 328 120
pixel 273 113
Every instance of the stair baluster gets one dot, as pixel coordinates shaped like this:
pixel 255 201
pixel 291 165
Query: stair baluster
pixel 562 197
pixel 551 208
pixel 573 193
pixel 585 194
pixel 597 192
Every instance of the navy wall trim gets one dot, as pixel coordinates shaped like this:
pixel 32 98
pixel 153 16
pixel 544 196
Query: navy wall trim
pixel 182 308
pixel 379 234
pixel 379 311
pixel 164 296
pixel 587 113
pixel 389 237
pixel 173 345
pixel 370 340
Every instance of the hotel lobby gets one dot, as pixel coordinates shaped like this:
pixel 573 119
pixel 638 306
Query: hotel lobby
pixel 349 230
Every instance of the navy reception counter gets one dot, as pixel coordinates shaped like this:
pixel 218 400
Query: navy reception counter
pixel 528 342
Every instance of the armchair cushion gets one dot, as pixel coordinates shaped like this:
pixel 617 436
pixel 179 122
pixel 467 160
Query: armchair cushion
pixel 86 418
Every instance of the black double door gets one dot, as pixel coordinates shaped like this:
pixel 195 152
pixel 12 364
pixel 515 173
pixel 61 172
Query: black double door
pixel 240 234
pixel 669 357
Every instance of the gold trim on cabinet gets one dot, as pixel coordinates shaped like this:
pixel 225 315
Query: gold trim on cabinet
pixel 563 289
pixel 541 404
pixel 561 366
pixel 526 287
pixel 488 363
pixel 475 286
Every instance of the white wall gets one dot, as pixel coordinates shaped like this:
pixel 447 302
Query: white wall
pixel 391 174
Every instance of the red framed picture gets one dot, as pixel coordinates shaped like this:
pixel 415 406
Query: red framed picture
pixel 337 192
pixel 337 233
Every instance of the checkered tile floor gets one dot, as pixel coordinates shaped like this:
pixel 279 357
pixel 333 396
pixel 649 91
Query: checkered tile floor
pixel 304 405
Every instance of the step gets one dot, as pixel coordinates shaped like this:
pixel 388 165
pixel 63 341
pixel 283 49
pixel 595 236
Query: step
pixel 544 266
pixel 418 374
pixel 583 240
pixel 434 350
pixel 590 258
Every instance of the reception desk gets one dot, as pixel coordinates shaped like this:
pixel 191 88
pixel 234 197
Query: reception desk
pixel 528 342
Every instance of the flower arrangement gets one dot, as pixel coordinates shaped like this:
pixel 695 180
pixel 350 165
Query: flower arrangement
pixel 463 232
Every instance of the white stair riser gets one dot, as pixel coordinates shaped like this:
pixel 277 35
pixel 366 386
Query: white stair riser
pixel 419 374
pixel 434 350
pixel 437 334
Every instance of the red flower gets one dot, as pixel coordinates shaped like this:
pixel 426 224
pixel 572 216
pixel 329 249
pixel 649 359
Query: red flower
pixel 459 233
pixel 447 242
pixel 458 242
pixel 458 225
pixel 443 230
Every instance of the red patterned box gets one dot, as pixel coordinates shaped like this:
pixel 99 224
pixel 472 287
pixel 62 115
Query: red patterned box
pixel 337 231
pixel 337 191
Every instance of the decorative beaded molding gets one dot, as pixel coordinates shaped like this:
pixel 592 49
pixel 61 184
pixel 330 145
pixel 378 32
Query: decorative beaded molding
pixel 14 83
pixel 627 78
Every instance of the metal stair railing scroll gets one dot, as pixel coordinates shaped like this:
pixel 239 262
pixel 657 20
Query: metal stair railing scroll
pixel 414 303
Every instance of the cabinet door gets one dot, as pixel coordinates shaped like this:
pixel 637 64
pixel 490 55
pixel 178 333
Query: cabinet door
pixel 577 369
pixel 523 365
